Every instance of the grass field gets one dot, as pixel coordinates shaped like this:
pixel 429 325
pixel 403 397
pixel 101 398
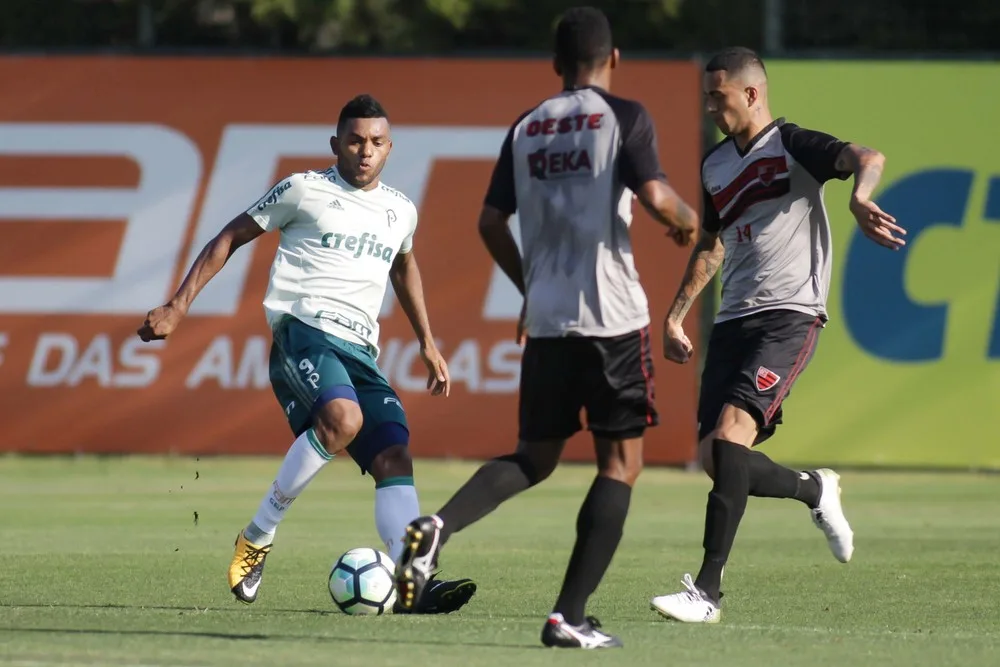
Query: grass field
pixel 103 564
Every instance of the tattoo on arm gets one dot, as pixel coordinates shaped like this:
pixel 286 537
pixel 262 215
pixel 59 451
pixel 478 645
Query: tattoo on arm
pixel 866 164
pixel 705 261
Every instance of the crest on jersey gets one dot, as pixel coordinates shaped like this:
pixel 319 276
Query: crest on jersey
pixel 766 379
pixel 766 173
pixel 390 216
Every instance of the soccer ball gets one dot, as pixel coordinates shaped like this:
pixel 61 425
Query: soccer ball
pixel 361 582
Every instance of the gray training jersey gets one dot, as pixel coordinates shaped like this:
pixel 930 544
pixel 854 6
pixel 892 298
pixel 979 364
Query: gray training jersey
pixel 766 203
pixel 568 167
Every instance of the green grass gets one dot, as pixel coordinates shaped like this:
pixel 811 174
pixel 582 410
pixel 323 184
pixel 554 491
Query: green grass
pixel 102 563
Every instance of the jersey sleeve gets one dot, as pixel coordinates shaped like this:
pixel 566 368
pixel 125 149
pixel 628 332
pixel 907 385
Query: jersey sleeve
pixel 280 205
pixel 406 245
pixel 501 194
pixel 639 161
pixel 817 152
pixel 709 215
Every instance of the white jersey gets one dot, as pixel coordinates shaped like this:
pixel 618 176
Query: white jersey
pixel 336 248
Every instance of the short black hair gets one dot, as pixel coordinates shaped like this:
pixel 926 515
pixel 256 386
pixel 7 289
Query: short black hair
pixel 735 59
pixel 583 38
pixel 361 106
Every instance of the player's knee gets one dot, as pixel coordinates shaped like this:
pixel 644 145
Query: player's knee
pixel 392 462
pixel 623 470
pixel 538 460
pixel 337 424
pixel 736 425
pixel 620 460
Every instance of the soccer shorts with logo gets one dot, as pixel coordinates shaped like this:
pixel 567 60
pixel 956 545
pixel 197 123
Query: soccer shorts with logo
pixel 752 363
pixel 611 378
pixel 308 367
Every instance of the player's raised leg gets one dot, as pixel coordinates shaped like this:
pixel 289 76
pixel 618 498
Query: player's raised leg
pixel 753 363
pixel 495 482
pixel 322 407
pixel 549 403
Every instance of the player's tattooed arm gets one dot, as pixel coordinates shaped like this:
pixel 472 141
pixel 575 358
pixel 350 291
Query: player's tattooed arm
pixel 495 232
pixel 705 261
pixel 866 164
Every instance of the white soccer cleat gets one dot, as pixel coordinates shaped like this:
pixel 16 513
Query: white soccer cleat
pixel 829 516
pixel 688 606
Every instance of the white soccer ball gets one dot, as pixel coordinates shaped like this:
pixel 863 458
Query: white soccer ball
pixel 362 582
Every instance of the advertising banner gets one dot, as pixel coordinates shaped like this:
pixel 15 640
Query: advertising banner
pixel 115 172
pixel 907 373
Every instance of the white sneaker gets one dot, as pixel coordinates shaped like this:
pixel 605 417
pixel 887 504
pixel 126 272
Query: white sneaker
pixel 689 606
pixel 829 516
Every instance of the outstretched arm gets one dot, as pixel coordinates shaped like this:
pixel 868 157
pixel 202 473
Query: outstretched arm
pixel 162 321
pixel 240 231
pixel 866 164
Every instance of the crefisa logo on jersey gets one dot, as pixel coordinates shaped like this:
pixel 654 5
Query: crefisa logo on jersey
pixel 544 165
pixel 367 244
pixel 275 193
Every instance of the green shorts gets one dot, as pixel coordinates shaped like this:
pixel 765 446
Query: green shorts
pixel 309 368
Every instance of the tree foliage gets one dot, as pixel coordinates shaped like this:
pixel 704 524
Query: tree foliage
pixel 510 26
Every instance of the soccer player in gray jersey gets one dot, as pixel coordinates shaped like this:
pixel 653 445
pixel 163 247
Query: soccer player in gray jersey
pixel 570 166
pixel 765 222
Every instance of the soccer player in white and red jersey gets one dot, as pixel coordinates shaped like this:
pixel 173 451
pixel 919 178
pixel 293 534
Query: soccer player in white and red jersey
pixel 765 222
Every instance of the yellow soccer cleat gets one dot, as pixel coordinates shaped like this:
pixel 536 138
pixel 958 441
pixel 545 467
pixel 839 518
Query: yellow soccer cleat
pixel 247 569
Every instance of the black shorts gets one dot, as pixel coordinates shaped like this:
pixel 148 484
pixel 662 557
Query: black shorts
pixel 752 363
pixel 611 378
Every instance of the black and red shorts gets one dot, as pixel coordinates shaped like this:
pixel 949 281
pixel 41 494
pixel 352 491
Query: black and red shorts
pixel 610 378
pixel 752 363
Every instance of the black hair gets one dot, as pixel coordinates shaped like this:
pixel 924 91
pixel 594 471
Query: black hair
pixel 583 38
pixel 362 106
pixel 735 59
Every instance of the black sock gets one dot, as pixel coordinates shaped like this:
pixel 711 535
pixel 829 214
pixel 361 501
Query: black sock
pixel 770 480
pixel 497 481
pixel 726 503
pixel 599 529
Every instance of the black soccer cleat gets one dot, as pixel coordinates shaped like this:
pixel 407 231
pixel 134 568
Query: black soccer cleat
pixel 557 633
pixel 418 561
pixel 441 597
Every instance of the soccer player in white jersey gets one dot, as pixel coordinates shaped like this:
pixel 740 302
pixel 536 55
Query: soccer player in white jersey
pixel 343 235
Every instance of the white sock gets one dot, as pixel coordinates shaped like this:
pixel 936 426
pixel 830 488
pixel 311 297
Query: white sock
pixel 396 505
pixel 304 459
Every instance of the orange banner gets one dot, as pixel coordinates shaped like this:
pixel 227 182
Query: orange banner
pixel 114 172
